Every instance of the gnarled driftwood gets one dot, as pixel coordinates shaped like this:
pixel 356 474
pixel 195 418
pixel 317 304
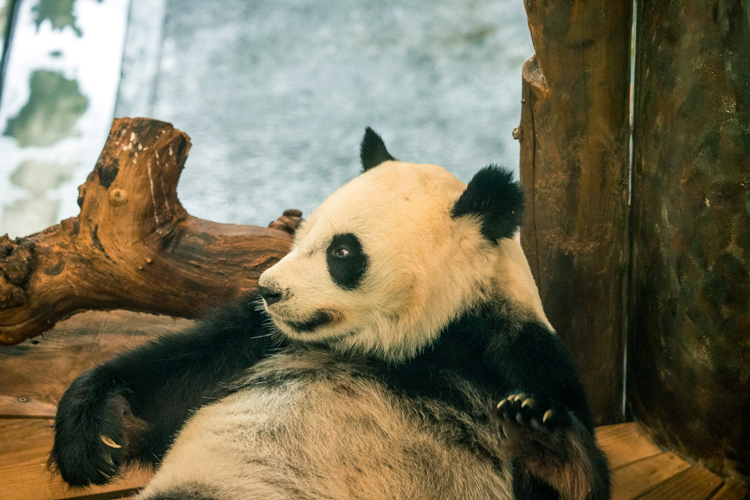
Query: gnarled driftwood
pixel 133 245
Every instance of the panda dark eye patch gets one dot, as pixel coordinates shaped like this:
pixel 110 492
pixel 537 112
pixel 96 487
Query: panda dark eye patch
pixel 347 262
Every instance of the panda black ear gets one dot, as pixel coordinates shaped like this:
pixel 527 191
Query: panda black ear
pixel 495 199
pixel 372 151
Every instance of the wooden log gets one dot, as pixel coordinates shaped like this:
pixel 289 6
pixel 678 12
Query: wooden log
pixel 689 355
pixel 133 245
pixel 574 137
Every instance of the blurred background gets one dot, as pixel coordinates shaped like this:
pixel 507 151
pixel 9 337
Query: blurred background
pixel 274 95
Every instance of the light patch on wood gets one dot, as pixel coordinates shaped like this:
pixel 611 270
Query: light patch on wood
pixel 164 193
pixel 153 195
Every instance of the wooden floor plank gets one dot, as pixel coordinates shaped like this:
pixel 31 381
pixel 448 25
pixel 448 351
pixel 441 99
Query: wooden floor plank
pixel 695 483
pixel 24 448
pixel 25 407
pixel 625 443
pixel 634 479
pixel 732 490
pixel 35 373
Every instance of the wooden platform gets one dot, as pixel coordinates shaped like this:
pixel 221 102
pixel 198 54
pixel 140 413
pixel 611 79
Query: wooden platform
pixel 34 374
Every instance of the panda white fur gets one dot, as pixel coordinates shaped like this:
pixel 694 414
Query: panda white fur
pixel 371 368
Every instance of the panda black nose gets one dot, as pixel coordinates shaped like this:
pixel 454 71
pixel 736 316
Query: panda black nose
pixel 270 296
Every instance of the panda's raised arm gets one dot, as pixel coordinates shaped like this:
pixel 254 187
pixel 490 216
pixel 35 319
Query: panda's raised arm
pixel 533 360
pixel 545 416
pixel 543 412
pixel 131 407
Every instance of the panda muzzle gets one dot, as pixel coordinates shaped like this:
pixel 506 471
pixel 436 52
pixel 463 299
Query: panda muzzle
pixel 319 319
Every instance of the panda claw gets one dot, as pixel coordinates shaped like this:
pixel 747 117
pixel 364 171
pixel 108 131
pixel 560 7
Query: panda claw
pixel 109 441
pixel 547 415
pixel 528 412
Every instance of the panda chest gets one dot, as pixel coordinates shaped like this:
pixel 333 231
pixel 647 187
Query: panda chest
pixel 333 432
pixel 328 414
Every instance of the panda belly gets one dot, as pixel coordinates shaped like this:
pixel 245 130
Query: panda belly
pixel 314 435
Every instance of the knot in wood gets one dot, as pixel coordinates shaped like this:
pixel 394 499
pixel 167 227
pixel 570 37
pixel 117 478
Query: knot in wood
pixel 16 263
pixel 118 197
pixel 288 222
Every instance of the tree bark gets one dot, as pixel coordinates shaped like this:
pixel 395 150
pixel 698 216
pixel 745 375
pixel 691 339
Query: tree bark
pixel 574 137
pixel 689 353
pixel 133 245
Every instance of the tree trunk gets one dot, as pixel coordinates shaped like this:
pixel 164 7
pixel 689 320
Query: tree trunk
pixel 689 357
pixel 574 137
pixel 133 246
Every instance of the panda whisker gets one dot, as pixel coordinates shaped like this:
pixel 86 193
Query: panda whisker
pixel 262 336
pixel 329 221
pixel 302 204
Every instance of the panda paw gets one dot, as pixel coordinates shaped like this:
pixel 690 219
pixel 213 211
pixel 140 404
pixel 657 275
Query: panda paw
pixel 521 412
pixel 548 442
pixel 90 432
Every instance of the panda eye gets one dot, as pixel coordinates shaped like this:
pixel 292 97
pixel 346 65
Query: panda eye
pixel 346 261
pixel 342 252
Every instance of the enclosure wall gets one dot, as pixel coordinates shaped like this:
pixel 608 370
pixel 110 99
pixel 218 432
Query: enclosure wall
pixel 689 352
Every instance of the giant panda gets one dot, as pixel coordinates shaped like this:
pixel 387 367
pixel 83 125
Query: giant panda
pixel 399 351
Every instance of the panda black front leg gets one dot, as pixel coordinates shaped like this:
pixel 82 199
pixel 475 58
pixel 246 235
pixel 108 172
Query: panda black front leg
pixel 130 408
pixel 549 443
pixel 95 431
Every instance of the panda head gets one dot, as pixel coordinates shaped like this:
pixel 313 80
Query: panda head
pixel 395 255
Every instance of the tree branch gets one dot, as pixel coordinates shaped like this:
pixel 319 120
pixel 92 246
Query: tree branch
pixel 133 245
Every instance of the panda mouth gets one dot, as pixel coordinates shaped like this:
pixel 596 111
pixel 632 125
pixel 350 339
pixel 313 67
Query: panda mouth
pixel 319 319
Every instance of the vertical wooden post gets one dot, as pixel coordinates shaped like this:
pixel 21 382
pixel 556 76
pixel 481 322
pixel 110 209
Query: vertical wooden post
pixel 689 368
pixel 574 137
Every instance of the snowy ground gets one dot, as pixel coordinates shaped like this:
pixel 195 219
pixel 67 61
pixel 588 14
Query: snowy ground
pixel 276 95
